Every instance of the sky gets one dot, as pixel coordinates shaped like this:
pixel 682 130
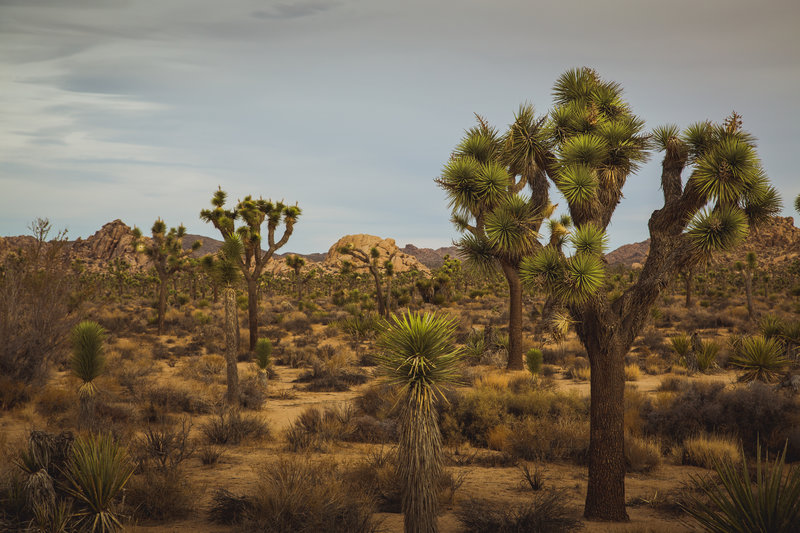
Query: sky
pixel 139 109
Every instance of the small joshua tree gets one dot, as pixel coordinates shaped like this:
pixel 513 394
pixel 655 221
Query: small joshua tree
pixel 87 362
pixel 263 359
pixel 296 263
pixel 165 250
pixel 252 259
pixel 373 264
pixel 418 355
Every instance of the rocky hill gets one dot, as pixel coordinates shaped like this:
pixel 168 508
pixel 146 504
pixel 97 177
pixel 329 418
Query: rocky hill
pixel 428 256
pixel 775 243
pixel 402 261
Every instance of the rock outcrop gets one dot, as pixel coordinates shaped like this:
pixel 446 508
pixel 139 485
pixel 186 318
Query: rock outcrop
pixel 402 261
pixel 114 240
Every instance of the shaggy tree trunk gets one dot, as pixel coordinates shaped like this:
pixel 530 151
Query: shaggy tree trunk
pixel 252 308
pixel 231 334
pixel 689 277
pixel 605 497
pixel 419 466
pixel 514 316
pixel 378 291
pixel 162 305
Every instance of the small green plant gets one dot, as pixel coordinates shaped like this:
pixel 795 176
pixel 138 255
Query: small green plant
pixel 263 359
pixel 97 471
pixel 707 355
pixel 735 504
pixel 87 362
pixel 761 358
pixel 533 360
pixel 681 344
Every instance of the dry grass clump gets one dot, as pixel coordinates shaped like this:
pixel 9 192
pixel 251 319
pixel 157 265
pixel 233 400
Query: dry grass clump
pixel 233 428
pixel 546 439
pixel 300 496
pixel 632 372
pixel 704 450
pixel 547 512
pixel 642 454
pixel 177 398
pixel 315 430
pixel 55 400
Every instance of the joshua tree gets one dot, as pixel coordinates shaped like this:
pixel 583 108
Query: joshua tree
pixel 597 143
pixel 252 259
pixel 87 363
pixel 418 356
pixel 373 264
pixel 295 262
pixel 263 359
pixel 484 180
pixel 748 270
pixel 165 250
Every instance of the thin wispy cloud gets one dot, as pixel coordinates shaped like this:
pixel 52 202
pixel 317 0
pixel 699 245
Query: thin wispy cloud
pixel 139 109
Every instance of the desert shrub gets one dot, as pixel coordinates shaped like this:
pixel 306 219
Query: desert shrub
pixel 210 365
pixel 672 384
pixel 642 454
pixel 632 372
pixel 163 447
pixel 296 495
pixel 177 398
pixel 708 450
pixel 531 479
pixel 316 430
pixel 252 393
pixel 227 508
pixel 546 513
pixel 233 427
pixel 160 494
pixel 378 400
pixel 750 413
pixel 209 454
pixel 328 378
pixel 297 323
pixel 546 439
pixel 13 393
pixel 39 292
pixel 736 504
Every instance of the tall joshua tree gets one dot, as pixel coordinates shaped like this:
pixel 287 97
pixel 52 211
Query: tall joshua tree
pixel 165 250
pixel 598 143
pixel 251 262
pixel 296 263
pixel 484 181
pixel 418 355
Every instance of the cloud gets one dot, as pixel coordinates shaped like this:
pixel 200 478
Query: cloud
pixel 293 10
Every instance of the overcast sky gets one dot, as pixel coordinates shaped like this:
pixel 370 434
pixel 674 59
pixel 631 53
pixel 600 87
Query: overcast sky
pixel 140 109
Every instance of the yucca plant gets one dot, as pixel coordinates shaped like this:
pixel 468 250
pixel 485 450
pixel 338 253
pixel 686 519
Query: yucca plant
pixel 770 326
pixel 418 356
pixel 681 344
pixel 707 355
pixel 97 471
pixel 533 360
pixel 87 362
pixel 737 505
pixel 762 359
pixel 263 359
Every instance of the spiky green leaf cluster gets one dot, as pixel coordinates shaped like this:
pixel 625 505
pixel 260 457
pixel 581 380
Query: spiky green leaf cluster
pixel 762 359
pixel 589 239
pixel 510 228
pixel 418 354
pixel 573 280
pixel 717 229
pixel 736 503
pixel 88 358
pixel 96 473
pixel 263 353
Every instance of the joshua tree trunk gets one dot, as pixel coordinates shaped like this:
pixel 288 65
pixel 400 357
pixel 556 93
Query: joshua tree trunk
pixel 419 462
pixel 378 291
pixel 162 304
pixel 514 316
pixel 231 334
pixel 86 411
pixel 605 498
pixel 252 309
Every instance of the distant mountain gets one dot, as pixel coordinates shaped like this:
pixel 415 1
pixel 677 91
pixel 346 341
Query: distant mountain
pixel 629 254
